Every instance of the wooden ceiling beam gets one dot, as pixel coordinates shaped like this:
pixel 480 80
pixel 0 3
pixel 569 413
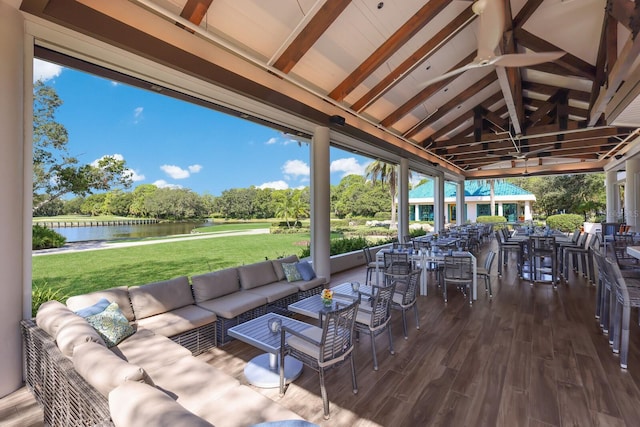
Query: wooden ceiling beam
pixel 316 27
pixel 561 168
pixel 526 12
pixel 423 95
pixel 627 13
pixel 572 63
pixel 472 90
pixel 510 77
pixel 402 35
pixel 607 54
pixel 195 10
pixel 415 59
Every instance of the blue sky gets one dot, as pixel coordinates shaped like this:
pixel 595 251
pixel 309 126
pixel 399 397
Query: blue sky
pixel 167 142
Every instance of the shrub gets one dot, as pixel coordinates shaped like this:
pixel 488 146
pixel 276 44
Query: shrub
pixel 416 232
pixel 565 222
pixel 382 216
pixel 45 238
pixel 341 246
pixel 488 218
pixel 41 293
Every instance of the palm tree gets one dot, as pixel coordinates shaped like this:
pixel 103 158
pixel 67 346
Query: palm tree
pixel 385 172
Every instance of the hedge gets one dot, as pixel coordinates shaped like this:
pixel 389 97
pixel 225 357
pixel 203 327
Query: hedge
pixel 565 222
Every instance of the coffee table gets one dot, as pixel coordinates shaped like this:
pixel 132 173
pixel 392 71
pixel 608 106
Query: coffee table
pixel 313 306
pixel 264 370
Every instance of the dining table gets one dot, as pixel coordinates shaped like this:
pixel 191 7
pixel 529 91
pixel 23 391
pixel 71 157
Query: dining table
pixel 422 258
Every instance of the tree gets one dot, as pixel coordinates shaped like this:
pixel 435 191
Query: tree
pixel 386 173
pixel 57 173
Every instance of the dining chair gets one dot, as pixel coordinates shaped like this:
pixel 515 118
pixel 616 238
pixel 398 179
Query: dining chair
pixel 504 249
pixel 397 262
pixel 458 270
pixel 372 264
pixel 405 295
pixel 485 272
pixel 374 317
pixel 604 293
pixel 543 259
pixel 575 254
pixel 322 348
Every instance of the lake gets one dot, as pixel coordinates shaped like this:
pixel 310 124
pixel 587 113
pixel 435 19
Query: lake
pixel 115 232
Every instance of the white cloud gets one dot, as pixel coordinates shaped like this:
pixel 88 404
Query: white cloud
pixel 161 183
pixel 194 168
pixel 45 70
pixel 135 176
pixel 276 185
pixel 115 156
pixel 295 168
pixel 348 166
pixel 272 141
pixel 137 114
pixel 175 172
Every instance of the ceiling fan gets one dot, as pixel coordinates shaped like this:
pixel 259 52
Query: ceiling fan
pixel 491 15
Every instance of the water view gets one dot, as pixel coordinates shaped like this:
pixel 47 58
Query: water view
pixel 114 232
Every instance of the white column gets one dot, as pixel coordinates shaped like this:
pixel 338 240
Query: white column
pixel 527 211
pixel 403 199
pixel 613 195
pixel 461 218
pixel 15 193
pixel 320 202
pixel 631 188
pixel 416 212
pixel 438 203
pixel 500 211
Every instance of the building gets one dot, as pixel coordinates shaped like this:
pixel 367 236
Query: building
pixel 511 201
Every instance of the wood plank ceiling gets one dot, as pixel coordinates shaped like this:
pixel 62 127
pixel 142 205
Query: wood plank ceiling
pixel 372 58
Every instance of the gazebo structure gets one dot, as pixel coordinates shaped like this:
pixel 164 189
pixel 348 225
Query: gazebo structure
pixel 510 201
pixel 416 83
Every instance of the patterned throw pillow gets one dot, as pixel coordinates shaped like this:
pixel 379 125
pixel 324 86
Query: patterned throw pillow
pixel 291 272
pixel 111 324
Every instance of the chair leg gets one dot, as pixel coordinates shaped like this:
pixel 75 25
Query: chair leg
pixel 373 350
pixel 391 350
pixel 618 316
pixel 404 324
pixel 415 311
pixel 353 375
pixel 323 392
pixel 624 337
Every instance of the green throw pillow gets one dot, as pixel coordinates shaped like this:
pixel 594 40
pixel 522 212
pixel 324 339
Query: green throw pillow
pixel 111 325
pixel 291 272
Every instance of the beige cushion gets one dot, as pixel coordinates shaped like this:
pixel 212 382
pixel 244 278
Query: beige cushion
pixel 242 406
pixel 119 295
pixel 150 351
pixel 215 284
pixel 192 381
pixel 52 315
pixel 160 297
pixel 304 346
pixel 232 305
pixel 104 370
pixel 177 321
pixel 310 284
pixel 258 274
pixel 275 291
pixel 75 333
pixel 135 404
pixel 277 265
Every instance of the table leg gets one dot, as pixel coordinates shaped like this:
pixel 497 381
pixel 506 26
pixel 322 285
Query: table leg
pixel 263 371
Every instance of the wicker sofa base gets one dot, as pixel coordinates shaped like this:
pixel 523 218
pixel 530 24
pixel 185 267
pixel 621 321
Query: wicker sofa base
pixel 223 324
pixel 65 397
pixel 198 340
pixel 310 292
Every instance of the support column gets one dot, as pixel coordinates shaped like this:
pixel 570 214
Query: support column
pixel 438 203
pixel 403 199
pixel 461 217
pixel 527 211
pixel 15 193
pixel 320 203
pixel 416 212
pixel 631 188
pixel 500 209
pixel 613 196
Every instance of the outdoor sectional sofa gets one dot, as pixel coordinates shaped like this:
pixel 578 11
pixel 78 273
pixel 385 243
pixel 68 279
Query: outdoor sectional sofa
pixel 79 381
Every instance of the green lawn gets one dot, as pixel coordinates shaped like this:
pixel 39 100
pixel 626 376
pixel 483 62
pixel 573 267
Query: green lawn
pixel 86 271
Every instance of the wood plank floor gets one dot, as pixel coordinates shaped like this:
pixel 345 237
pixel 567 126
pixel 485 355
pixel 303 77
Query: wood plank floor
pixel 530 356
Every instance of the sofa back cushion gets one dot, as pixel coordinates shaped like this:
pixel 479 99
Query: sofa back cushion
pixel 277 265
pixel 160 297
pixel 75 333
pixel 215 284
pixel 52 315
pixel 103 369
pixel 258 274
pixel 119 295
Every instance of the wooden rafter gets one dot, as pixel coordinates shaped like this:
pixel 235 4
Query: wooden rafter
pixel 327 14
pixel 418 57
pixel 421 18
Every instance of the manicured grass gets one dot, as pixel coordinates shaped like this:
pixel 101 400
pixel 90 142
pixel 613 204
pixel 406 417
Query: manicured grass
pixel 233 226
pixel 81 272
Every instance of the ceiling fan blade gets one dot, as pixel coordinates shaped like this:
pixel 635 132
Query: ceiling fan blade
pixel 526 59
pixel 490 26
pixel 450 74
